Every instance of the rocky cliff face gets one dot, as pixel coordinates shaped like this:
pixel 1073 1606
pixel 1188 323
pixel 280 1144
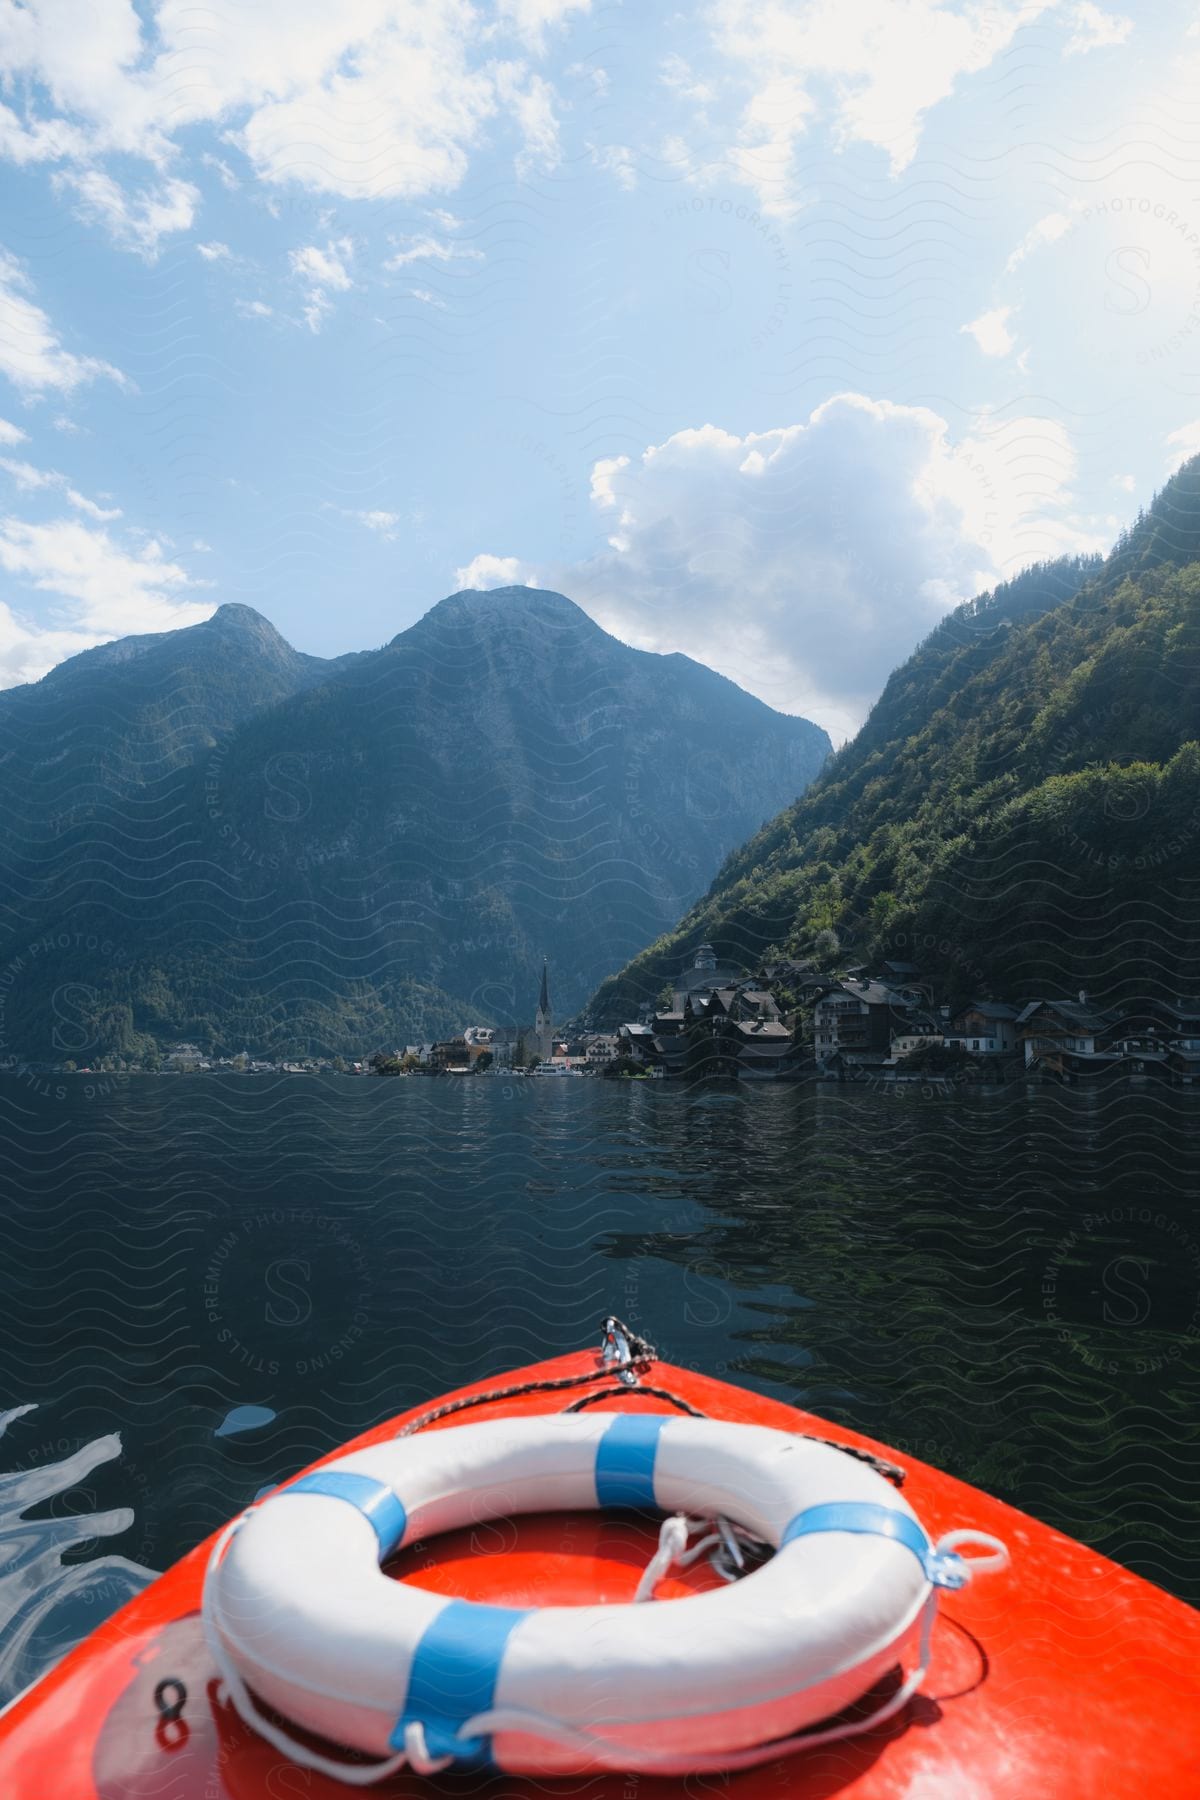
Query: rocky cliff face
pixel 304 856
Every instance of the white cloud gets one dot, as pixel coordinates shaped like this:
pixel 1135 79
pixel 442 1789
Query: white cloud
pixel 430 249
pixel 136 222
pixel 874 69
pixel 29 479
pixel 322 273
pixel 38 140
pixel 374 519
pixel 214 252
pixel 99 590
pixel 102 514
pixel 225 174
pixel 1184 443
pixel 991 333
pixel 427 298
pixel 596 76
pixel 1096 30
pixel 530 99
pixel 618 159
pixel 369 99
pixel 805 562
pixel 11 434
pixel 254 309
pixel 533 18
pixel 1128 254
pixel 1127 483
pixel 676 75
pixel 1011 480
pixel 1047 231
pixel 493 572
pixel 31 354
pixel 772 125
pixel 324 268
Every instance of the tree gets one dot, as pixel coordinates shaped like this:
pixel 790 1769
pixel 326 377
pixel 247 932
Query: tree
pixel 623 1068
pixel 483 1061
pixel 826 945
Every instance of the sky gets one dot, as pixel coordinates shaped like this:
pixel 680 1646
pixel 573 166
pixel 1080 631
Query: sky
pixel 767 332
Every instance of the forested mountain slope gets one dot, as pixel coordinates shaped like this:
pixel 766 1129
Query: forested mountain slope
pixel 1021 810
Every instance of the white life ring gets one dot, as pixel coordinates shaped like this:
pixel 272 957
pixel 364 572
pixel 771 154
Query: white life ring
pixel 297 1609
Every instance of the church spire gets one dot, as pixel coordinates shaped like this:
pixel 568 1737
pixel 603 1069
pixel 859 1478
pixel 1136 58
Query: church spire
pixel 543 1028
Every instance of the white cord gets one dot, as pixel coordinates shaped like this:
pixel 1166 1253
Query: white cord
pixel 978 1565
pixel 673 1550
pixel 666 1762
pixel 672 1546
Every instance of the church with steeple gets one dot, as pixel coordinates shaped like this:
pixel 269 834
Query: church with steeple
pixel 542 1042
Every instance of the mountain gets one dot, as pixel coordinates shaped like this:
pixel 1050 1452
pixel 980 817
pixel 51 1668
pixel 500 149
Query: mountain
pixel 1021 811
pixel 252 847
pixel 127 712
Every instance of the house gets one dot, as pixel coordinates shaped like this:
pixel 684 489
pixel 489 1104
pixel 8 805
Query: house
pixel 602 1047
pixel 856 1019
pixel 902 974
pixel 1068 1037
pixel 731 1031
pixel 638 1041
pixel 984 1028
pixel 914 1031
pixel 784 971
pixel 706 973
pixel 1162 1037
pixel 481 1040
pixel 1181 1018
pixel 753 1002
pixel 765 1049
pixel 502 1043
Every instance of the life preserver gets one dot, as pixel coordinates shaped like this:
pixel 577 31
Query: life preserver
pixel 298 1611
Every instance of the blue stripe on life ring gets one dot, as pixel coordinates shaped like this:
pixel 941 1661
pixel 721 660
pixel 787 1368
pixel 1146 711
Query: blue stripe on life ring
pixel 866 1518
pixel 625 1459
pixel 374 1499
pixel 453 1677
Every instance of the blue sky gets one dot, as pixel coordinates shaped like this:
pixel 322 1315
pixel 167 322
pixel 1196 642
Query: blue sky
pixel 767 332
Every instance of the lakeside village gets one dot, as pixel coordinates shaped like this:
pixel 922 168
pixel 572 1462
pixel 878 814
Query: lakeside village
pixel 789 1022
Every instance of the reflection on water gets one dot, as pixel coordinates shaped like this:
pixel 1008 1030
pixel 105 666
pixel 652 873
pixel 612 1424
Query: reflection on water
pixel 237 1274
pixel 47 1603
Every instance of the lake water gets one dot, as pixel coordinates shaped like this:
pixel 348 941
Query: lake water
pixel 1005 1283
